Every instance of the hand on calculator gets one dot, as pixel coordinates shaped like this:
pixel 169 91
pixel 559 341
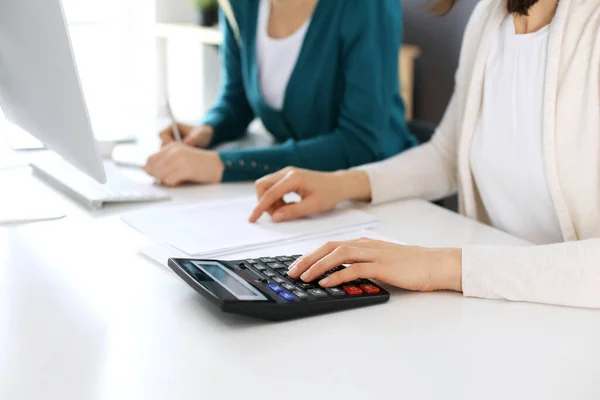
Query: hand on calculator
pixel 412 268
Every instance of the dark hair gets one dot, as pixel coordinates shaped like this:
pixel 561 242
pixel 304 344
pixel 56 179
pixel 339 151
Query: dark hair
pixel 519 7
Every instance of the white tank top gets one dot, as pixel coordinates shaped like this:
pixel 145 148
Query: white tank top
pixel 507 153
pixel 276 57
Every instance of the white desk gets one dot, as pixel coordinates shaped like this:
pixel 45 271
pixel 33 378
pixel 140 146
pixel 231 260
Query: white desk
pixel 83 316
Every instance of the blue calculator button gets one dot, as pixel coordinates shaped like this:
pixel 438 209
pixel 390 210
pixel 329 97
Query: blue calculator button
pixel 287 296
pixel 275 288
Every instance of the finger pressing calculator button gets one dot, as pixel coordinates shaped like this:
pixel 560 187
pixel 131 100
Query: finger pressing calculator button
pixel 277 265
pixel 336 291
pixel 317 293
pixel 287 296
pixel 288 286
pixel 352 290
pixel 275 288
pixel 370 288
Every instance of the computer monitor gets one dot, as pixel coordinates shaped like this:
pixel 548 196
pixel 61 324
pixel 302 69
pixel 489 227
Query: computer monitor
pixel 40 89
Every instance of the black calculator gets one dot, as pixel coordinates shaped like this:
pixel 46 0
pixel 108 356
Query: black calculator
pixel 262 288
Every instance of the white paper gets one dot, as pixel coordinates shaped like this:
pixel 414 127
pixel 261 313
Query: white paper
pixel 161 254
pixel 222 227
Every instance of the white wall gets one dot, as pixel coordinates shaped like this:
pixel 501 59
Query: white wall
pixel 191 69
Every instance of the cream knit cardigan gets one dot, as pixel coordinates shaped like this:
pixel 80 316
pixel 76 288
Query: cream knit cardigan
pixel 567 273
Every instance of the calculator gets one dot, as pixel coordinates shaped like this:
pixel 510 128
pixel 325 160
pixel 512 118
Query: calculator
pixel 261 288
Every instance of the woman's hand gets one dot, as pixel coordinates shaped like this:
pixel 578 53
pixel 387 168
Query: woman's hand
pixel 195 136
pixel 177 163
pixel 319 192
pixel 411 268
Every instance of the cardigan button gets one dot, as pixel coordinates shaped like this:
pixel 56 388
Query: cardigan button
pixel 229 164
pixel 253 164
pixel 266 168
pixel 242 163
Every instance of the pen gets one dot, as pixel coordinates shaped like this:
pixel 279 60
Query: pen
pixel 174 126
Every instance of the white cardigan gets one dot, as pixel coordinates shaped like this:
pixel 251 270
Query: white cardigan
pixel 566 273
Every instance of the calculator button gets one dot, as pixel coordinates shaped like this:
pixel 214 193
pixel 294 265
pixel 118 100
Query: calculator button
pixel 335 291
pixel 370 288
pixel 251 261
pixel 284 259
pixel 305 285
pixel 275 288
pixel 352 290
pixel 277 265
pixel 289 263
pixel 268 260
pixel 259 267
pixel 295 257
pixel 288 286
pixel 317 292
pixel 279 279
pixel 287 296
pixel 269 274
pixel 301 295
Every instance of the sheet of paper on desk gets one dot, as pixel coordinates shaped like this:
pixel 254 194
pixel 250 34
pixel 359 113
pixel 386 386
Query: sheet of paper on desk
pixel 161 253
pixel 210 228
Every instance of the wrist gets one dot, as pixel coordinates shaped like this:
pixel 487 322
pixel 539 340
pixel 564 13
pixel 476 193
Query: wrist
pixel 354 185
pixel 218 168
pixel 447 267
pixel 205 137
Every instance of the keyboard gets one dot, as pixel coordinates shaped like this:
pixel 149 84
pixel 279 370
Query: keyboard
pixel 66 179
pixel 262 288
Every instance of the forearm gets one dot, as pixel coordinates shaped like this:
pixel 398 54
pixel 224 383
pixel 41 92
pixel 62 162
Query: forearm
pixel 563 274
pixel 422 172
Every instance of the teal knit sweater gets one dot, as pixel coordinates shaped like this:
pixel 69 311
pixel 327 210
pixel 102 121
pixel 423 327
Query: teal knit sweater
pixel 342 106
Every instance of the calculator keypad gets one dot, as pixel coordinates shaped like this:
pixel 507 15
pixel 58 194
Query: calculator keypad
pixel 275 269
pixel 317 292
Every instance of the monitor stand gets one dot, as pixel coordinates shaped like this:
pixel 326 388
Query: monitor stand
pixel 27 201
pixel 18 139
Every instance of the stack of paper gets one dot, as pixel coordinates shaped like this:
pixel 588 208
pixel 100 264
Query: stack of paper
pixel 217 228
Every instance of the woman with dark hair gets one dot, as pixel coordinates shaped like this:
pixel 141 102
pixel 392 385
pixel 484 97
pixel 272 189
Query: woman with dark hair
pixel 520 142
pixel 322 76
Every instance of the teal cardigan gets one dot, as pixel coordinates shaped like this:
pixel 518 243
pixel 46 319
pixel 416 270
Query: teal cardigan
pixel 342 107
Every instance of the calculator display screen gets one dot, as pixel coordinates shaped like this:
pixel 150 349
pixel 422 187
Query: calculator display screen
pixel 229 280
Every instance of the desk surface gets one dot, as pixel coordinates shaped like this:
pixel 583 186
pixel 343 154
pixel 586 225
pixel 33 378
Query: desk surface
pixel 83 316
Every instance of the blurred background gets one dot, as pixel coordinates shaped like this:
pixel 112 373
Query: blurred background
pixel 128 63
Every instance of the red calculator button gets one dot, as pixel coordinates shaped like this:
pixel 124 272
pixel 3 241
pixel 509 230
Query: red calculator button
pixel 352 290
pixel 371 289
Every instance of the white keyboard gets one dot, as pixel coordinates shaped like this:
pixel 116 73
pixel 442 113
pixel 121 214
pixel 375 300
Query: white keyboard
pixel 66 179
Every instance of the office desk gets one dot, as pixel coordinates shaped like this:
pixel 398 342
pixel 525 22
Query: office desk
pixel 83 316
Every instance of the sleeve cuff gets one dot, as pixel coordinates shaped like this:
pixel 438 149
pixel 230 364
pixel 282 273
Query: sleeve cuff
pixel 475 274
pixel 240 165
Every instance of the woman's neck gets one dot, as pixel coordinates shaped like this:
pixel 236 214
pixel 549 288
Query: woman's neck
pixel 540 15
pixel 287 16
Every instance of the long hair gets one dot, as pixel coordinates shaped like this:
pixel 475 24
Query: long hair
pixel 519 7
